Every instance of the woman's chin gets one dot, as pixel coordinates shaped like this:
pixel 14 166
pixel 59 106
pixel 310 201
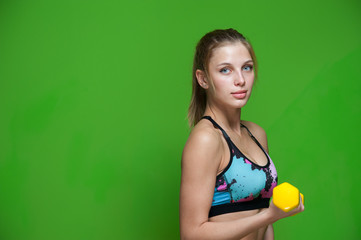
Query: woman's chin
pixel 241 104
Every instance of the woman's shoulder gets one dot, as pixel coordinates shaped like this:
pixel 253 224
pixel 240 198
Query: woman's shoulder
pixel 253 127
pixel 204 142
pixel 258 132
pixel 205 134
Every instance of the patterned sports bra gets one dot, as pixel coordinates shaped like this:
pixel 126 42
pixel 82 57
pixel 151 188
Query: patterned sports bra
pixel 242 185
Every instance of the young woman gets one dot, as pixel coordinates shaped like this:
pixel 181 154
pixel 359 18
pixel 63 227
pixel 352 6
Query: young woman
pixel 227 174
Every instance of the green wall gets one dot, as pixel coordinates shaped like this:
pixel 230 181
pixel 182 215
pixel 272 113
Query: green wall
pixel 93 103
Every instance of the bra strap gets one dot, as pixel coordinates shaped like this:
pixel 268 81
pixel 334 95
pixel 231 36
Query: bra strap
pixel 253 137
pixel 217 126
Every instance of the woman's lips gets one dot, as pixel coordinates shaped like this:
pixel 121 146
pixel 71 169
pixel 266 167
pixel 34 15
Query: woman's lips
pixel 240 94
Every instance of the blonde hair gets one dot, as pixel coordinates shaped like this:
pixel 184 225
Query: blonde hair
pixel 202 55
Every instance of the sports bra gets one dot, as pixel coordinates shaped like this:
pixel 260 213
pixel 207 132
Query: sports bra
pixel 243 185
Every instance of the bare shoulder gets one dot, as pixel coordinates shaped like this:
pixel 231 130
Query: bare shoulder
pixel 258 132
pixel 204 140
pixel 205 130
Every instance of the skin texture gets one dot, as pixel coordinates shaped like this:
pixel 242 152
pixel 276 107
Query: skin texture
pixel 206 153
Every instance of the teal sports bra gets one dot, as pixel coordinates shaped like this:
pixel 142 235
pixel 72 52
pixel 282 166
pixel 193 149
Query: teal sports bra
pixel 243 185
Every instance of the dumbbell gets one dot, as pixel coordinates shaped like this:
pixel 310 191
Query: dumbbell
pixel 286 197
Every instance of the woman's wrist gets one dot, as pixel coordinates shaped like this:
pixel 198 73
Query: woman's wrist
pixel 268 216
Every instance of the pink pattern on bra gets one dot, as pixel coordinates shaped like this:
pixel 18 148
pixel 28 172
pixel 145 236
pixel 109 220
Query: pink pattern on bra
pixel 248 162
pixel 249 198
pixel 222 187
pixel 268 194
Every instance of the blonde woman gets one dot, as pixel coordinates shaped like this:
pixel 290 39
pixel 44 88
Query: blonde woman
pixel 227 174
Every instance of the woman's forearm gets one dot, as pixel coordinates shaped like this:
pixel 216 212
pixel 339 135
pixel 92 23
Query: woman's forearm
pixel 235 229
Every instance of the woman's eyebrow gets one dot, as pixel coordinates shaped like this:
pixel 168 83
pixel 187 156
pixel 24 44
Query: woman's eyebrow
pixel 226 63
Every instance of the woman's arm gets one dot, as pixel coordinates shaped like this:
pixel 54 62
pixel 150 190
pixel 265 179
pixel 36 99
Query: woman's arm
pixel 269 234
pixel 200 161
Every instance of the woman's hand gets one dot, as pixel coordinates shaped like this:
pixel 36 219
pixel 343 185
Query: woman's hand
pixel 276 213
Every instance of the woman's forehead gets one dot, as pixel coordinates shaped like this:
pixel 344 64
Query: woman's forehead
pixel 230 52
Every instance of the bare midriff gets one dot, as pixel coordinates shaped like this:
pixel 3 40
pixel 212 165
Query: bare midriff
pixel 257 235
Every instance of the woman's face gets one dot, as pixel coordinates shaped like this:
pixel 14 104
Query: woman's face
pixel 231 71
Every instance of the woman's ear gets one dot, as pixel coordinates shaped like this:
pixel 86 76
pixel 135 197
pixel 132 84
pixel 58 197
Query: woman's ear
pixel 202 79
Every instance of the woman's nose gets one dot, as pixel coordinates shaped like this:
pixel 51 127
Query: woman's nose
pixel 239 79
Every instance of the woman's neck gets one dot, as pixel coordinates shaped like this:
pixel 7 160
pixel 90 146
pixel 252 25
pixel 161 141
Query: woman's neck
pixel 229 119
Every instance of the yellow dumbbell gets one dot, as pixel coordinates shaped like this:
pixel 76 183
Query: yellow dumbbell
pixel 286 197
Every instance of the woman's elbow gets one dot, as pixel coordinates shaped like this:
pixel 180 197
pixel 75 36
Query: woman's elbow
pixel 193 232
pixel 186 234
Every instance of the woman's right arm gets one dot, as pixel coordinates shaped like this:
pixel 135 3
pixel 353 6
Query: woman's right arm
pixel 200 161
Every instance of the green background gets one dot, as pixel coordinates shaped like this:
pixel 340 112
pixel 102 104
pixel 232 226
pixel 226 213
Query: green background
pixel 93 104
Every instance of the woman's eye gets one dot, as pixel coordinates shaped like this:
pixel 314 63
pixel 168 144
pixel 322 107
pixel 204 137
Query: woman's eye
pixel 248 68
pixel 224 70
